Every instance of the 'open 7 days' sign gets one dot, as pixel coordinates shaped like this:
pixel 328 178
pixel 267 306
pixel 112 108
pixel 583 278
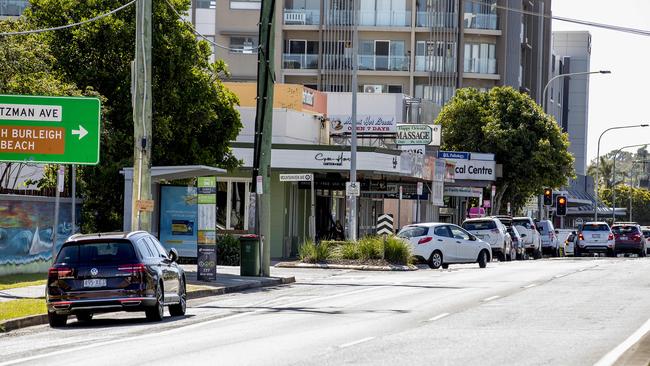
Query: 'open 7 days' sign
pixel 63 130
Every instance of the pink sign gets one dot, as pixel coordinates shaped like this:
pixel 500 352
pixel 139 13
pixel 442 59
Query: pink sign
pixel 476 212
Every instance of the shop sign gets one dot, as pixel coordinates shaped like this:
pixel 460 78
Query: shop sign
pixel 436 132
pixel 475 170
pixel 413 149
pixel 301 177
pixel 307 97
pixel 453 155
pixel 366 124
pixel 412 134
pixel 463 192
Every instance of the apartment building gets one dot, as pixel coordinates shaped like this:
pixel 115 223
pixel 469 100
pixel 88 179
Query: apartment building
pixel 423 48
pixel 12 8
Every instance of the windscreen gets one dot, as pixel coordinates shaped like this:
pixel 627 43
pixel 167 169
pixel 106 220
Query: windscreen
pixel 524 223
pixel 625 230
pixel 595 227
pixel 97 253
pixel 479 225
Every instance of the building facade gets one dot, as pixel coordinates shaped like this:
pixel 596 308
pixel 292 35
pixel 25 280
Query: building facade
pixel 12 8
pixel 422 48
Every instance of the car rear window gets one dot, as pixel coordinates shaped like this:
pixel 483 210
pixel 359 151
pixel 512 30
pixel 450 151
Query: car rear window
pixel 646 233
pixel 525 223
pixel 480 225
pixel 414 231
pixel 595 227
pixel 624 230
pixel 97 253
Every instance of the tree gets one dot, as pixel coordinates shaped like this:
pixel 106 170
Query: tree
pixel 640 201
pixel 526 141
pixel 624 166
pixel 194 115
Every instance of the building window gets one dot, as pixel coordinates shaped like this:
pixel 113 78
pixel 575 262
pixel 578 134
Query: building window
pixel 12 8
pixel 437 56
pixel 206 4
pixel 480 58
pixel 395 89
pixel 481 14
pixel 243 44
pixel 232 203
pixel 246 4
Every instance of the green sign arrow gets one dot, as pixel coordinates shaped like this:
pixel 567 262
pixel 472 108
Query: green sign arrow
pixel 63 130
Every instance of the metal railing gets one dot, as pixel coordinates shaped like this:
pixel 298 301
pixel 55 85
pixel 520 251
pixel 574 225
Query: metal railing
pixel 301 17
pixel 435 63
pixel 299 61
pixel 480 65
pixel 400 18
pixel 481 21
pixel 383 63
pixel 436 19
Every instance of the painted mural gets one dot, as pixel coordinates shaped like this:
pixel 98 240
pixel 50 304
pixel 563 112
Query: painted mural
pixel 26 234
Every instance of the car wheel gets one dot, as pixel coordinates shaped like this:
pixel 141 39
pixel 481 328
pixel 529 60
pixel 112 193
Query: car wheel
pixel 156 312
pixel 537 254
pixel 502 256
pixel 179 309
pixel 435 260
pixel 642 252
pixel 482 259
pixel 445 265
pixel 611 253
pixel 56 320
pixel 84 317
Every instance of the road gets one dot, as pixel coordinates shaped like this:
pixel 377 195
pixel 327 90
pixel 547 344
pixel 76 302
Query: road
pixel 548 312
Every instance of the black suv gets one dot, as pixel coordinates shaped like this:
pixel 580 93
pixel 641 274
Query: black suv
pixel 109 272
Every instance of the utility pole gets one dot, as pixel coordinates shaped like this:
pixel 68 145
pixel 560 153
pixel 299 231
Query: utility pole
pixel 352 219
pixel 263 133
pixel 141 89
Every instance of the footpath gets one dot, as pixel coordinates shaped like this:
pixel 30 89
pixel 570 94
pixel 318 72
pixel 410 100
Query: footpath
pixel 228 281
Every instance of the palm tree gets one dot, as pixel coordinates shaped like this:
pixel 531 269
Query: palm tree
pixel 605 171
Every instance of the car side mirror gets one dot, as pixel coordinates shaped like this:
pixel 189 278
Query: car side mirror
pixel 173 254
pixel 557 231
pixel 472 238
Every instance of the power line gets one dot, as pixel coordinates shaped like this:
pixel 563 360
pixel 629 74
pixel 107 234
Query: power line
pixel 180 17
pixel 68 25
pixel 641 32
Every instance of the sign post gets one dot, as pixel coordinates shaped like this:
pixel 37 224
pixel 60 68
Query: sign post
pixel 206 257
pixel 305 177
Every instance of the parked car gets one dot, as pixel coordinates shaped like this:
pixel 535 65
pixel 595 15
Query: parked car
pixel 646 234
pixel 517 242
pixel 109 272
pixel 628 238
pixel 442 244
pixel 595 237
pixel 570 243
pixel 549 239
pixel 531 237
pixel 492 231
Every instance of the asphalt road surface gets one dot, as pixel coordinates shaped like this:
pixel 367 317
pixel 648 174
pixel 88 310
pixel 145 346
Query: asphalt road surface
pixel 547 312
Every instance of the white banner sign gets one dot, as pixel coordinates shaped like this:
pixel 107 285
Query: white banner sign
pixel 366 124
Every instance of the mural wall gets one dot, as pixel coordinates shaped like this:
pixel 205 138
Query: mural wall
pixel 26 232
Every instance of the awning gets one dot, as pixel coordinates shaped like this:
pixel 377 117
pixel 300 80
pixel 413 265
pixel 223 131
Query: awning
pixel 159 173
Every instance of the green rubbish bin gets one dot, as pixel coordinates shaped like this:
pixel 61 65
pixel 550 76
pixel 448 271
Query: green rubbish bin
pixel 249 254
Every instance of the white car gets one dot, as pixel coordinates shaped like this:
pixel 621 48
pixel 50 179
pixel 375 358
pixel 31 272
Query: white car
pixel 532 240
pixel 442 244
pixel 550 242
pixel 595 237
pixel 494 232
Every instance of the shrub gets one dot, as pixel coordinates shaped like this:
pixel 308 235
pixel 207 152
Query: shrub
pixel 397 251
pixel 228 251
pixel 370 247
pixel 349 250
pixel 314 253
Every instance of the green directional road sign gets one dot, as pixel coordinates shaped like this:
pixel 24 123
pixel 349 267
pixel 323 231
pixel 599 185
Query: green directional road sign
pixel 62 130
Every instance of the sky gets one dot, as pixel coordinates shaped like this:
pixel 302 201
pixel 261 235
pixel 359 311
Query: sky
pixel 623 97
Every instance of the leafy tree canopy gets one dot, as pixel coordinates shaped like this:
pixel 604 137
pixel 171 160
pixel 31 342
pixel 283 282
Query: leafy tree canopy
pixel 526 141
pixel 194 115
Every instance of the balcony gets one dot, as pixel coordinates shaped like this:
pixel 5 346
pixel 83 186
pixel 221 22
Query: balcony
pixel 301 17
pixel 430 19
pixel 480 65
pixel 481 21
pixel 435 64
pixel 399 18
pixel 12 8
pixel 299 61
pixel 383 63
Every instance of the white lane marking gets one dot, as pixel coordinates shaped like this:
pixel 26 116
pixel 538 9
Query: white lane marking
pixel 171 331
pixel 491 298
pixel 531 285
pixel 560 275
pixel 345 345
pixel 613 355
pixel 438 317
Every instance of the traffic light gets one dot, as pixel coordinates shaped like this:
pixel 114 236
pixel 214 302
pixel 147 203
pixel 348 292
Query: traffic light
pixel 548 197
pixel 560 206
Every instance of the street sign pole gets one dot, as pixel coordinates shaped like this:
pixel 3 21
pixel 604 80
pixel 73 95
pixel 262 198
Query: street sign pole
pixel 312 218
pixel 352 219
pixel 57 201
pixel 73 182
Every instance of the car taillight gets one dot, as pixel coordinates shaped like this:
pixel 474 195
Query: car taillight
pixel 611 237
pixel 581 237
pixel 56 273
pixel 424 240
pixel 636 237
pixel 132 268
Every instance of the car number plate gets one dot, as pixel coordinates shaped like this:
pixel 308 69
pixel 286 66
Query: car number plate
pixel 623 237
pixel 595 236
pixel 95 282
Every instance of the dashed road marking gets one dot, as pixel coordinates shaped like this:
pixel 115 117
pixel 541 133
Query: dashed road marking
pixel 530 285
pixel 438 317
pixel 350 344
pixel 491 298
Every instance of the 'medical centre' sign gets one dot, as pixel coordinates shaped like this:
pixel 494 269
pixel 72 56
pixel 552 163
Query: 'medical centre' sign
pixel 63 130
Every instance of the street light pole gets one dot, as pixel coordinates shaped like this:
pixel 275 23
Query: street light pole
pixel 598 162
pixel 352 218
pixel 568 75
pixel 614 177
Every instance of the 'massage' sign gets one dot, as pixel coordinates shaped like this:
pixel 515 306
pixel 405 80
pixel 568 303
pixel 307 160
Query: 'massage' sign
pixel 411 134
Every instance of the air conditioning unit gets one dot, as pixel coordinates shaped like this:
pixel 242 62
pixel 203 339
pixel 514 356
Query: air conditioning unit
pixel 377 89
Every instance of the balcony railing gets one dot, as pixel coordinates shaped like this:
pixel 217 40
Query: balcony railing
pixel 299 61
pixel 367 62
pixel 435 63
pixel 480 65
pixel 400 18
pixel 12 7
pixel 383 63
pixel 437 19
pixel 301 17
pixel 481 21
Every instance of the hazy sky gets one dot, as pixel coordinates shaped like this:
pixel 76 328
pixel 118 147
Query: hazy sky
pixel 623 97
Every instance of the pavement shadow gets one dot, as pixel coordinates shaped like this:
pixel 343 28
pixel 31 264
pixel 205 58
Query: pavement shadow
pixel 380 285
pixel 103 323
pixel 307 310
